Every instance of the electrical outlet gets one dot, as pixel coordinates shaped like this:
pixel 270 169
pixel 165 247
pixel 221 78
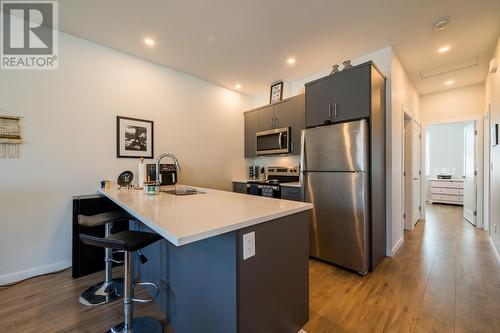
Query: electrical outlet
pixel 248 245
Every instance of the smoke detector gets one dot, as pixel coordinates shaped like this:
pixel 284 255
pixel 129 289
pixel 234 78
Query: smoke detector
pixel 441 24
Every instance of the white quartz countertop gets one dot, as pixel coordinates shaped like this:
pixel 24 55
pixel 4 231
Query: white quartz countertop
pixel 186 219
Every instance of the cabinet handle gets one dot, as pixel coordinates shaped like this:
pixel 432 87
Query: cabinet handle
pixel 271 124
pixel 329 111
pixel 336 108
pixel 292 148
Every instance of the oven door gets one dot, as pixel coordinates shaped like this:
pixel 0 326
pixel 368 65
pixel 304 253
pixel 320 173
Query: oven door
pixel 275 141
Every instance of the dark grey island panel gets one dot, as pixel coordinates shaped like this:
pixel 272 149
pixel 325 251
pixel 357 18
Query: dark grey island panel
pixel 206 286
pixel 273 285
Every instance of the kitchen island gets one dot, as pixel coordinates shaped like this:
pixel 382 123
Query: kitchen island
pixel 229 262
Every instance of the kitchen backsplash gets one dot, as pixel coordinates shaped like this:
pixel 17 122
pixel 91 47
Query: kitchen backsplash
pixel 264 161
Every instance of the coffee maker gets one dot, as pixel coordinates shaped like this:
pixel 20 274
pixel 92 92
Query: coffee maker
pixel 168 174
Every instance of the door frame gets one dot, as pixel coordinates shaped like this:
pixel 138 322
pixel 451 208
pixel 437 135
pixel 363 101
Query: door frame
pixel 479 120
pixel 407 115
pixel 486 168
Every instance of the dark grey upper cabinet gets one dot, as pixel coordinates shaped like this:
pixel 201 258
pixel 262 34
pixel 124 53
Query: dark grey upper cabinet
pixel 319 102
pixel 251 127
pixel 343 96
pixel 266 118
pixel 287 113
pixel 291 114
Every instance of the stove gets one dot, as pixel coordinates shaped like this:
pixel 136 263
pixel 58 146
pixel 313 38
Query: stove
pixel 271 186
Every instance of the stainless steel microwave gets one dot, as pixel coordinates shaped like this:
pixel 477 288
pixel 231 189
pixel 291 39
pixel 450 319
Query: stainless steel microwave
pixel 275 141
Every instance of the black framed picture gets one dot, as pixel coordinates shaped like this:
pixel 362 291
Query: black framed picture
pixel 134 137
pixel 276 93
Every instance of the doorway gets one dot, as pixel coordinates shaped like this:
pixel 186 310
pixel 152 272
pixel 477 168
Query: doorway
pixel 451 166
pixel 411 172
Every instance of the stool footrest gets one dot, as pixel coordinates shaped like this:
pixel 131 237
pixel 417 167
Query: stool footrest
pixel 146 284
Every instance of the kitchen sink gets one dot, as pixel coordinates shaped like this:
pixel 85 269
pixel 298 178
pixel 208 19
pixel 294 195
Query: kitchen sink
pixel 182 191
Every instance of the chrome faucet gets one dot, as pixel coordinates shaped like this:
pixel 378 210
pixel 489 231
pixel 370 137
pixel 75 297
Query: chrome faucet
pixel 177 166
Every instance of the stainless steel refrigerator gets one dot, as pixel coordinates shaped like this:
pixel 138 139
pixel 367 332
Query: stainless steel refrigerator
pixel 334 174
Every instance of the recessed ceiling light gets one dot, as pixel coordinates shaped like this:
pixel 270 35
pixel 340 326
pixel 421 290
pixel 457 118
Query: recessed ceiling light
pixel 237 86
pixel 290 61
pixel 449 82
pixel 444 49
pixel 149 41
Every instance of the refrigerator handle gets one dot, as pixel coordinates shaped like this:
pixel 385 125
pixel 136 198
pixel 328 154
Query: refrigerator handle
pixel 302 164
pixel 329 111
pixel 302 151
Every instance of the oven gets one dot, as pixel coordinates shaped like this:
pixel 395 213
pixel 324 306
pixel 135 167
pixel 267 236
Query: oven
pixel 275 141
pixel 264 190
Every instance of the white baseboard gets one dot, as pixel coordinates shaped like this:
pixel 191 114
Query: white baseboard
pixel 495 251
pixel 22 275
pixel 397 246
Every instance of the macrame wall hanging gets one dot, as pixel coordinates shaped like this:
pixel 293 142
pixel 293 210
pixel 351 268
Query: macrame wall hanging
pixel 10 136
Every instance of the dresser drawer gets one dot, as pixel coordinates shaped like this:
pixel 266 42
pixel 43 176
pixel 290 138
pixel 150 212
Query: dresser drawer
pixel 447 197
pixel 291 193
pixel 444 190
pixel 448 184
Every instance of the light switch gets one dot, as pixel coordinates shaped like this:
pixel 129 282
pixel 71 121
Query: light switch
pixel 248 245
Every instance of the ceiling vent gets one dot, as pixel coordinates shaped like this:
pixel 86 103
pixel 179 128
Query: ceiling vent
pixel 446 69
pixel 441 24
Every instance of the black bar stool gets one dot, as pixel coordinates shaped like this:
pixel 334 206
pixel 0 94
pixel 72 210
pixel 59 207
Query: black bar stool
pixel 130 242
pixel 110 289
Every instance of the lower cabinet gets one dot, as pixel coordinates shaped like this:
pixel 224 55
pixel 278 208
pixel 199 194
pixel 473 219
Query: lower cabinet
pixel 239 187
pixel 291 193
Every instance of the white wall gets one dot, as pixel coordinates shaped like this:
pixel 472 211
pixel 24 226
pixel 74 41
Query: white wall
pixel 69 142
pixel 446 148
pixel 453 105
pixel 493 104
pixel 404 98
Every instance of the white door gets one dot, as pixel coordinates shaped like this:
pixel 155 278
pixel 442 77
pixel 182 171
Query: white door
pixel 416 173
pixel 469 173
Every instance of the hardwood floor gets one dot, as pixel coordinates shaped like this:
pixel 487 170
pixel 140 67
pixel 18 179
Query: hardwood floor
pixel 49 304
pixel 443 279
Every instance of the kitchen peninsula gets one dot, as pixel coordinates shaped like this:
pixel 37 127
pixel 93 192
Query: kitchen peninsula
pixel 229 262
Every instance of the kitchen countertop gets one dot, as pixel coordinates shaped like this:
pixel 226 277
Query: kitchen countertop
pixel 186 219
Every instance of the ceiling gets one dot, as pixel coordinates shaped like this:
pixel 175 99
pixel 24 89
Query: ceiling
pixel 247 42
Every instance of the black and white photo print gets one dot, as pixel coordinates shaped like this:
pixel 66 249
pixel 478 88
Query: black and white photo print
pixel 134 137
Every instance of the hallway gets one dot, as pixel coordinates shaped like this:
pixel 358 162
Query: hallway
pixel 444 278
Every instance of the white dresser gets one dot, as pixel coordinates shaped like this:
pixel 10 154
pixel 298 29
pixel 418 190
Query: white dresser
pixel 450 191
